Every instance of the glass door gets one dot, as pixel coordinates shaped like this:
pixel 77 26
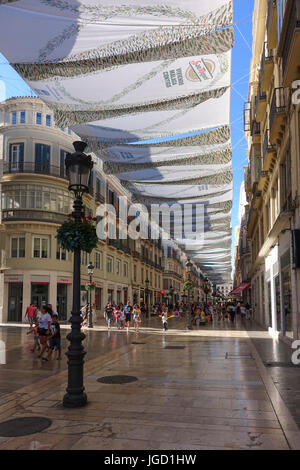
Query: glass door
pixel 15 301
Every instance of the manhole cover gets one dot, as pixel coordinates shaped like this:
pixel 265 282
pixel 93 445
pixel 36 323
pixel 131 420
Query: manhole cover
pixel 117 379
pixel 281 364
pixel 136 342
pixel 174 347
pixel 24 426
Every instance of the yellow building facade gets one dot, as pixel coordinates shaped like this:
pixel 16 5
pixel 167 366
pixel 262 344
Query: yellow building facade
pixel 272 180
pixel 35 201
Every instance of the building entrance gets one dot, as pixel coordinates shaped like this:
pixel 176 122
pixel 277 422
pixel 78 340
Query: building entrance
pixel 15 301
pixel 39 294
pixel 62 301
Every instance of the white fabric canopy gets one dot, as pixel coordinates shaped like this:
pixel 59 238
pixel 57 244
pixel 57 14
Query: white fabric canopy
pixel 126 73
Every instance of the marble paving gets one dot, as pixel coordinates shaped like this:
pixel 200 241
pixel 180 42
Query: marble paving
pixel 215 393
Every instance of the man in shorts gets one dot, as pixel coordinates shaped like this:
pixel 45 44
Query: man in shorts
pixel 109 315
pixel 128 311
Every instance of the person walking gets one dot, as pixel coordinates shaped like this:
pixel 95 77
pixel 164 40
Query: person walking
pixel 128 312
pixel 54 339
pixel 118 314
pixel 164 321
pixel 109 315
pixel 30 311
pixel 136 317
pixel 44 324
pixel 232 313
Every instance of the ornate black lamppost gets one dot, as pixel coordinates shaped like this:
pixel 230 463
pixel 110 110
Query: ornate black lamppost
pixel 90 269
pixel 78 167
pixel 189 267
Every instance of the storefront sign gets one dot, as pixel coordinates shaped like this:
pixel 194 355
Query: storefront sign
pixel 13 278
pixel 64 280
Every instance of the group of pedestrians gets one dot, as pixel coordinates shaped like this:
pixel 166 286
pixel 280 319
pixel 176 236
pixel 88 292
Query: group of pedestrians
pixel 45 327
pixel 122 315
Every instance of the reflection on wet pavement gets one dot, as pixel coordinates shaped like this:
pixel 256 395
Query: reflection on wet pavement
pixel 209 390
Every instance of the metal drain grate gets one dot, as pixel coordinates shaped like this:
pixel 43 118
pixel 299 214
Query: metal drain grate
pixel 281 364
pixel 238 356
pixel 136 342
pixel 24 426
pixel 174 347
pixel 117 379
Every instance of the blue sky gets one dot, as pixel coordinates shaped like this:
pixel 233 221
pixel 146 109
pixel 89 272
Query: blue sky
pixel 12 85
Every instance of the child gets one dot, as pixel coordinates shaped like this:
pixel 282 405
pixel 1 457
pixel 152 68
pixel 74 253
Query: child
pixel 54 339
pixel 136 319
pixel 34 330
pixel 164 321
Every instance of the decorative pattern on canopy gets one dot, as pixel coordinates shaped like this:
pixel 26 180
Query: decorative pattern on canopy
pixel 123 74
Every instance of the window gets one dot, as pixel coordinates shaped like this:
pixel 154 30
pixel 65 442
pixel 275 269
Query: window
pixel 38 118
pixel 22 117
pixel 63 129
pixel 62 170
pixel 98 260
pixel 37 197
pixel 17 247
pixel 41 247
pixel 134 272
pixel 125 269
pixel 118 267
pixel 14 118
pixel 16 157
pixel 109 264
pixel 84 258
pixel 48 120
pixel 69 131
pixel 61 254
pixel 111 197
pixel 42 158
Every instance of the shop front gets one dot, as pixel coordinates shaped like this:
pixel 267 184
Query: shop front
pixel 15 298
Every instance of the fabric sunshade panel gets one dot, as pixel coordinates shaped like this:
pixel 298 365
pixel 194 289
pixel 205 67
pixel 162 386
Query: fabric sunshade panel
pixel 214 112
pixel 106 31
pixel 164 70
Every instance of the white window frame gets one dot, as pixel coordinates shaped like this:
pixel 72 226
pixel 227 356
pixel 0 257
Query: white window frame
pixel 118 267
pixel 15 161
pixel 98 263
pixel 60 249
pixel 18 247
pixel 111 259
pixel 125 271
pixel 41 237
pixel 36 118
pixel 24 117
pixel 50 119
pixel 14 113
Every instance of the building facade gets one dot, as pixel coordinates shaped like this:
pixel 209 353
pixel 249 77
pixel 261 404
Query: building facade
pixel 272 124
pixel 35 201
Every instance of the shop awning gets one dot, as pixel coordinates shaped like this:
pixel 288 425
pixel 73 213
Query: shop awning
pixel 240 289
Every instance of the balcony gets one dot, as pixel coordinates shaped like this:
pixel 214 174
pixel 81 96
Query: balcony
pixel 247 116
pixel 277 116
pixel 289 47
pixel 255 132
pixel 272 24
pixel 261 105
pixel 12 215
pixel 34 168
pixel 269 152
pixel 266 68
pixel 136 254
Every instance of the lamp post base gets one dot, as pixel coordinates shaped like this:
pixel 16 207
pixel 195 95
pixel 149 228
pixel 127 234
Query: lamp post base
pixel 74 401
